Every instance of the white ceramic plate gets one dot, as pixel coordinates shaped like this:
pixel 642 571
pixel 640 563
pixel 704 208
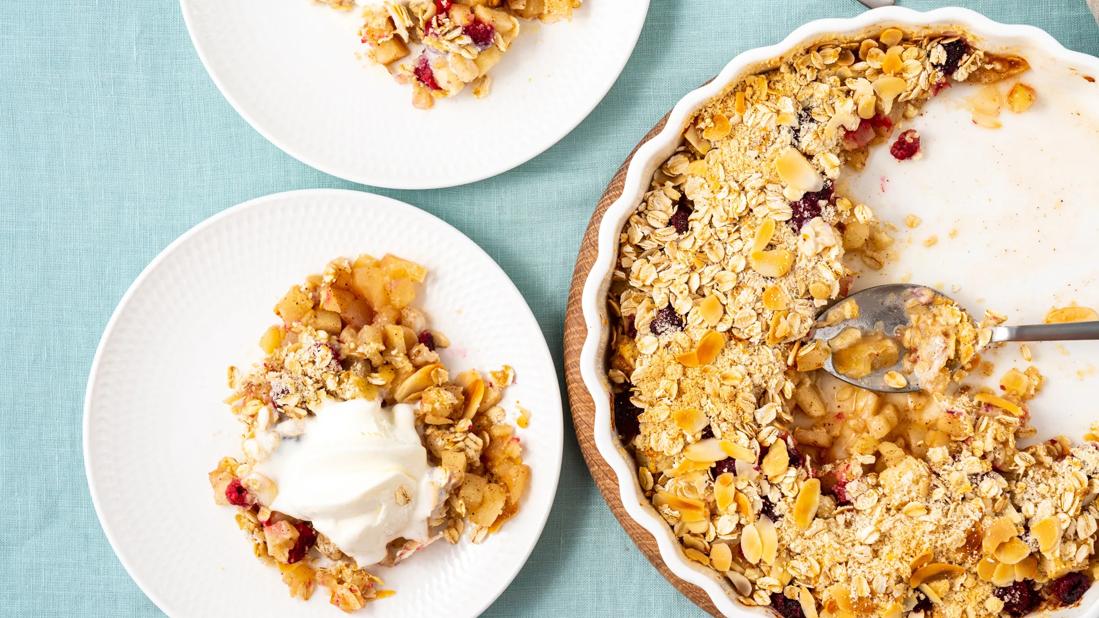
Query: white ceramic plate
pixel 293 70
pixel 155 424
pixel 1021 198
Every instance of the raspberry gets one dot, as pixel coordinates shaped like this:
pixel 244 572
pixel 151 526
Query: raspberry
pixel 787 608
pixel 809 206
pixel 680 219
pixel 666 321
pixel 906 146
pixel 795 455
pixel 625 416
pixel 707 432
pixel 424 73
pixel 307 538
pixel 482 33
pixel 442 6
pixel 427 339
pixel 1019 598
pixel 237 495
pixel 1069 588
pixel 954 52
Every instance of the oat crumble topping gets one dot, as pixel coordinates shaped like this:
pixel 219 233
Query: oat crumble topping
pixel 812 498
pixel 354 332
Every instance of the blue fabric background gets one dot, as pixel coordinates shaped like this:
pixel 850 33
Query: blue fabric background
pixel 113 141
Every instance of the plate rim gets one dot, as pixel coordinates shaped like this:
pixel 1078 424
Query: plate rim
pixel 553 468
pixel 641 165
pixel 428 182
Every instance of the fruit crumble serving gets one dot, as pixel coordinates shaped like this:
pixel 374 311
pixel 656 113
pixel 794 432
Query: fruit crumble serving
pixel 359 447
pixel 448 44
pixel 808 496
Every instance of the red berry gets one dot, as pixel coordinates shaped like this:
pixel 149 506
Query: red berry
pixel 810 206
pixel 424 73
pixel 427 339
pixel 906 146
pixel 725 465
pixel 1019 598
pixel 954 52
pixel 442 6
pixel 237 495
pixel 482 33
pixel 307 538
pixel 625 416
pixel 1069 588
pixel 787 608
pixel 681 218
pixel 666 321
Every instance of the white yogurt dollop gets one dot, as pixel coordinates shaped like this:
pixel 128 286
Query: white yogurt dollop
pixel 358 472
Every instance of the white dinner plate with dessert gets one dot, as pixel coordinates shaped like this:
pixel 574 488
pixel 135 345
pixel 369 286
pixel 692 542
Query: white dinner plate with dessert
pixel 388 438
pixel 938 148
pixel 341 85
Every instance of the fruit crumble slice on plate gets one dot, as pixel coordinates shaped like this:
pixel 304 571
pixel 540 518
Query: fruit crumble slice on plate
pixel 359 446
pixel 441 46
pixel 808 496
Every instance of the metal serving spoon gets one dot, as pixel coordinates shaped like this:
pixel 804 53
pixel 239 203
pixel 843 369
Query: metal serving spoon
pixel 882 309
pixel 873 4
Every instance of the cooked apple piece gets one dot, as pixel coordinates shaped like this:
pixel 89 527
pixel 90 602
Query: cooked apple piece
pixel 398 268
pixel 294 306
pixel 354 310
pixel 389 51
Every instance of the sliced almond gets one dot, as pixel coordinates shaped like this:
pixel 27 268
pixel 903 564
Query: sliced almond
pixel 710 347
pixel 797 173
pixel 750 544
pixel 805 507
pixel 1003 575
pixel 888 88
pixel 985 568
pixel 1048 534
pixel 768 537
pixel 475 393
pixel 721 557
pixel 740 104
pixel 776 461
pixel 1027 569
pixel 416 383
pixel 711 310
pixel 933 570
pixel 807 602
pixel 891 36
pixel 774 263
pixel 708 450
pixel 764 234
pixel 690 420
pixel 998 533
pixel 738 452
pixel 1015 382
pixel 724 491
pixel 1012 552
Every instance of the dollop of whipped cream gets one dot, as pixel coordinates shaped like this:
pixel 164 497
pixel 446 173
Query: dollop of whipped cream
pixel 359 472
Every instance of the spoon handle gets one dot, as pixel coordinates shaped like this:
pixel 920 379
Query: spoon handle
pixel 1072 331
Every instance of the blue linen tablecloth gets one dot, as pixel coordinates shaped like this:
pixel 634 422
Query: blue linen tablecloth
pixel 113 141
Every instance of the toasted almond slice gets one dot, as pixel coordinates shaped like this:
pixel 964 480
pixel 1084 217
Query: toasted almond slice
pixel 998 533
pixel 933 570
pixel 985 568
pixel 710 347
pixel 721 557
pixel 475 393
pixel 805 507
pixel 750 544
pixel 1048 534
pixel 1027 569
pixel 807 602
pixel 774 298
pixel 708 450
pixel 768 537
pixel 797 173
pixel 776 461
pixel 764 234
pixel 1012 552
pixel 711 310
pixel 744 507
pixel 739 103
pixel 415 384
pixel 999 402
pixel 738 452
pixel 774 263
pixel 921 560
pixel 698 168
pixel 724 491
pixel 1003 575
